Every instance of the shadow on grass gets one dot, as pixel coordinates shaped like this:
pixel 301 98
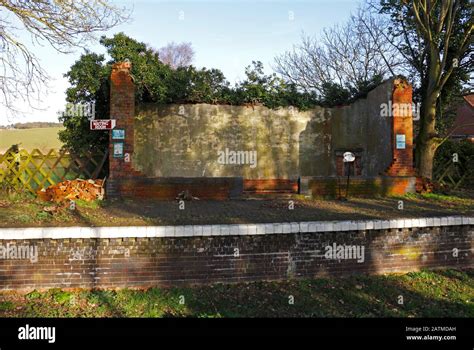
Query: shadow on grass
pixel 447 293
pixel 361 296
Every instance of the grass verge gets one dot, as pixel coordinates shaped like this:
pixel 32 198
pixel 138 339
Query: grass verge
pixel 440 293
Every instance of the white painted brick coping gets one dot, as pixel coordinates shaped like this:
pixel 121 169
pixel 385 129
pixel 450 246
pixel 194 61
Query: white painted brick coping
pixel 227 230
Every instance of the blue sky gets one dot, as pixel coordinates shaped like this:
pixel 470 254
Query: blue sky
pixel 225 34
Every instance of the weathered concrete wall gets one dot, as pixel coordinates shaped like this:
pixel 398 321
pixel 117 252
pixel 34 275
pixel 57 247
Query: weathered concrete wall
pixel 185 140
pixel 170 143
pixel 357 127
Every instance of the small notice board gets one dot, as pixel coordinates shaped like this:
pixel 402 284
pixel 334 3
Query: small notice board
pixel 401 141
pixel 118 149
pixel 118 134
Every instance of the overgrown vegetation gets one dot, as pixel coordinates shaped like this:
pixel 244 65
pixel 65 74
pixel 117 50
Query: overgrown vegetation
pixel 457 153
pixel 463 149
pixel 445 293
pixel 160 83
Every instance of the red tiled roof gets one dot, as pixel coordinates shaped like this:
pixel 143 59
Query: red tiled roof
pixel 464 123
pixel 470 99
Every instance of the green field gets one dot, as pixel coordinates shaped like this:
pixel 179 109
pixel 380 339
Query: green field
pixel 41 138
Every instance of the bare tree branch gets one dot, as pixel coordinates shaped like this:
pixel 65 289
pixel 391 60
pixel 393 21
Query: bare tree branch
pixel 350 54
pixel 64 25
pixel 176 55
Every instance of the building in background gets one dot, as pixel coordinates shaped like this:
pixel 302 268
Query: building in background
pixel 463 127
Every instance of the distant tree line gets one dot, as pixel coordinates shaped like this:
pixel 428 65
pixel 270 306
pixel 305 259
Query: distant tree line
pixel 31 125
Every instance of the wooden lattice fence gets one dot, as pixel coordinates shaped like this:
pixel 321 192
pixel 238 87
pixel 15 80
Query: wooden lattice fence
pixel 455 174
pixel 36 170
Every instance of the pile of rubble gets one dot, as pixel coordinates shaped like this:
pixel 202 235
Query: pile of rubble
pixel 425 185
pixel 186 195
pixel 68 190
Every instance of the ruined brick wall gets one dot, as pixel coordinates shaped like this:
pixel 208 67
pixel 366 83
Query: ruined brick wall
pixel 215 188
pixel 402 123
pixel 122 109
pixel 164 261
pixel 187 142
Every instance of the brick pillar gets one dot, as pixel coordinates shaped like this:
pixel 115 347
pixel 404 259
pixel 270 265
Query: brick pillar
pixel 402 130
pixel 122 109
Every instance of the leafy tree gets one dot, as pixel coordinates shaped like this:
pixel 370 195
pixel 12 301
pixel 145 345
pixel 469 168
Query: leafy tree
pixel 435 38
pixel 151 76
pixel 270 90
pixel 258 86
pixel 89 79
pixel 292 96
pixel 333 94
pixel 209 86
pixel 191 85
pixel 89 83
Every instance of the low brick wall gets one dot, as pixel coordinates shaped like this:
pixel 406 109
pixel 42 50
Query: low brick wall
pixel 167 188
pixel 271 185
pixel 358 186
pixel 177 255
pixel 221 188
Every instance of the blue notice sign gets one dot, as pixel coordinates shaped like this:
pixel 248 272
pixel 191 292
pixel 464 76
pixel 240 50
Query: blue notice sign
pixel 118 134
pixel 400 141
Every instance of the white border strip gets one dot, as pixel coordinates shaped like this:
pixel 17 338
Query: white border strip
pixel 227 230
